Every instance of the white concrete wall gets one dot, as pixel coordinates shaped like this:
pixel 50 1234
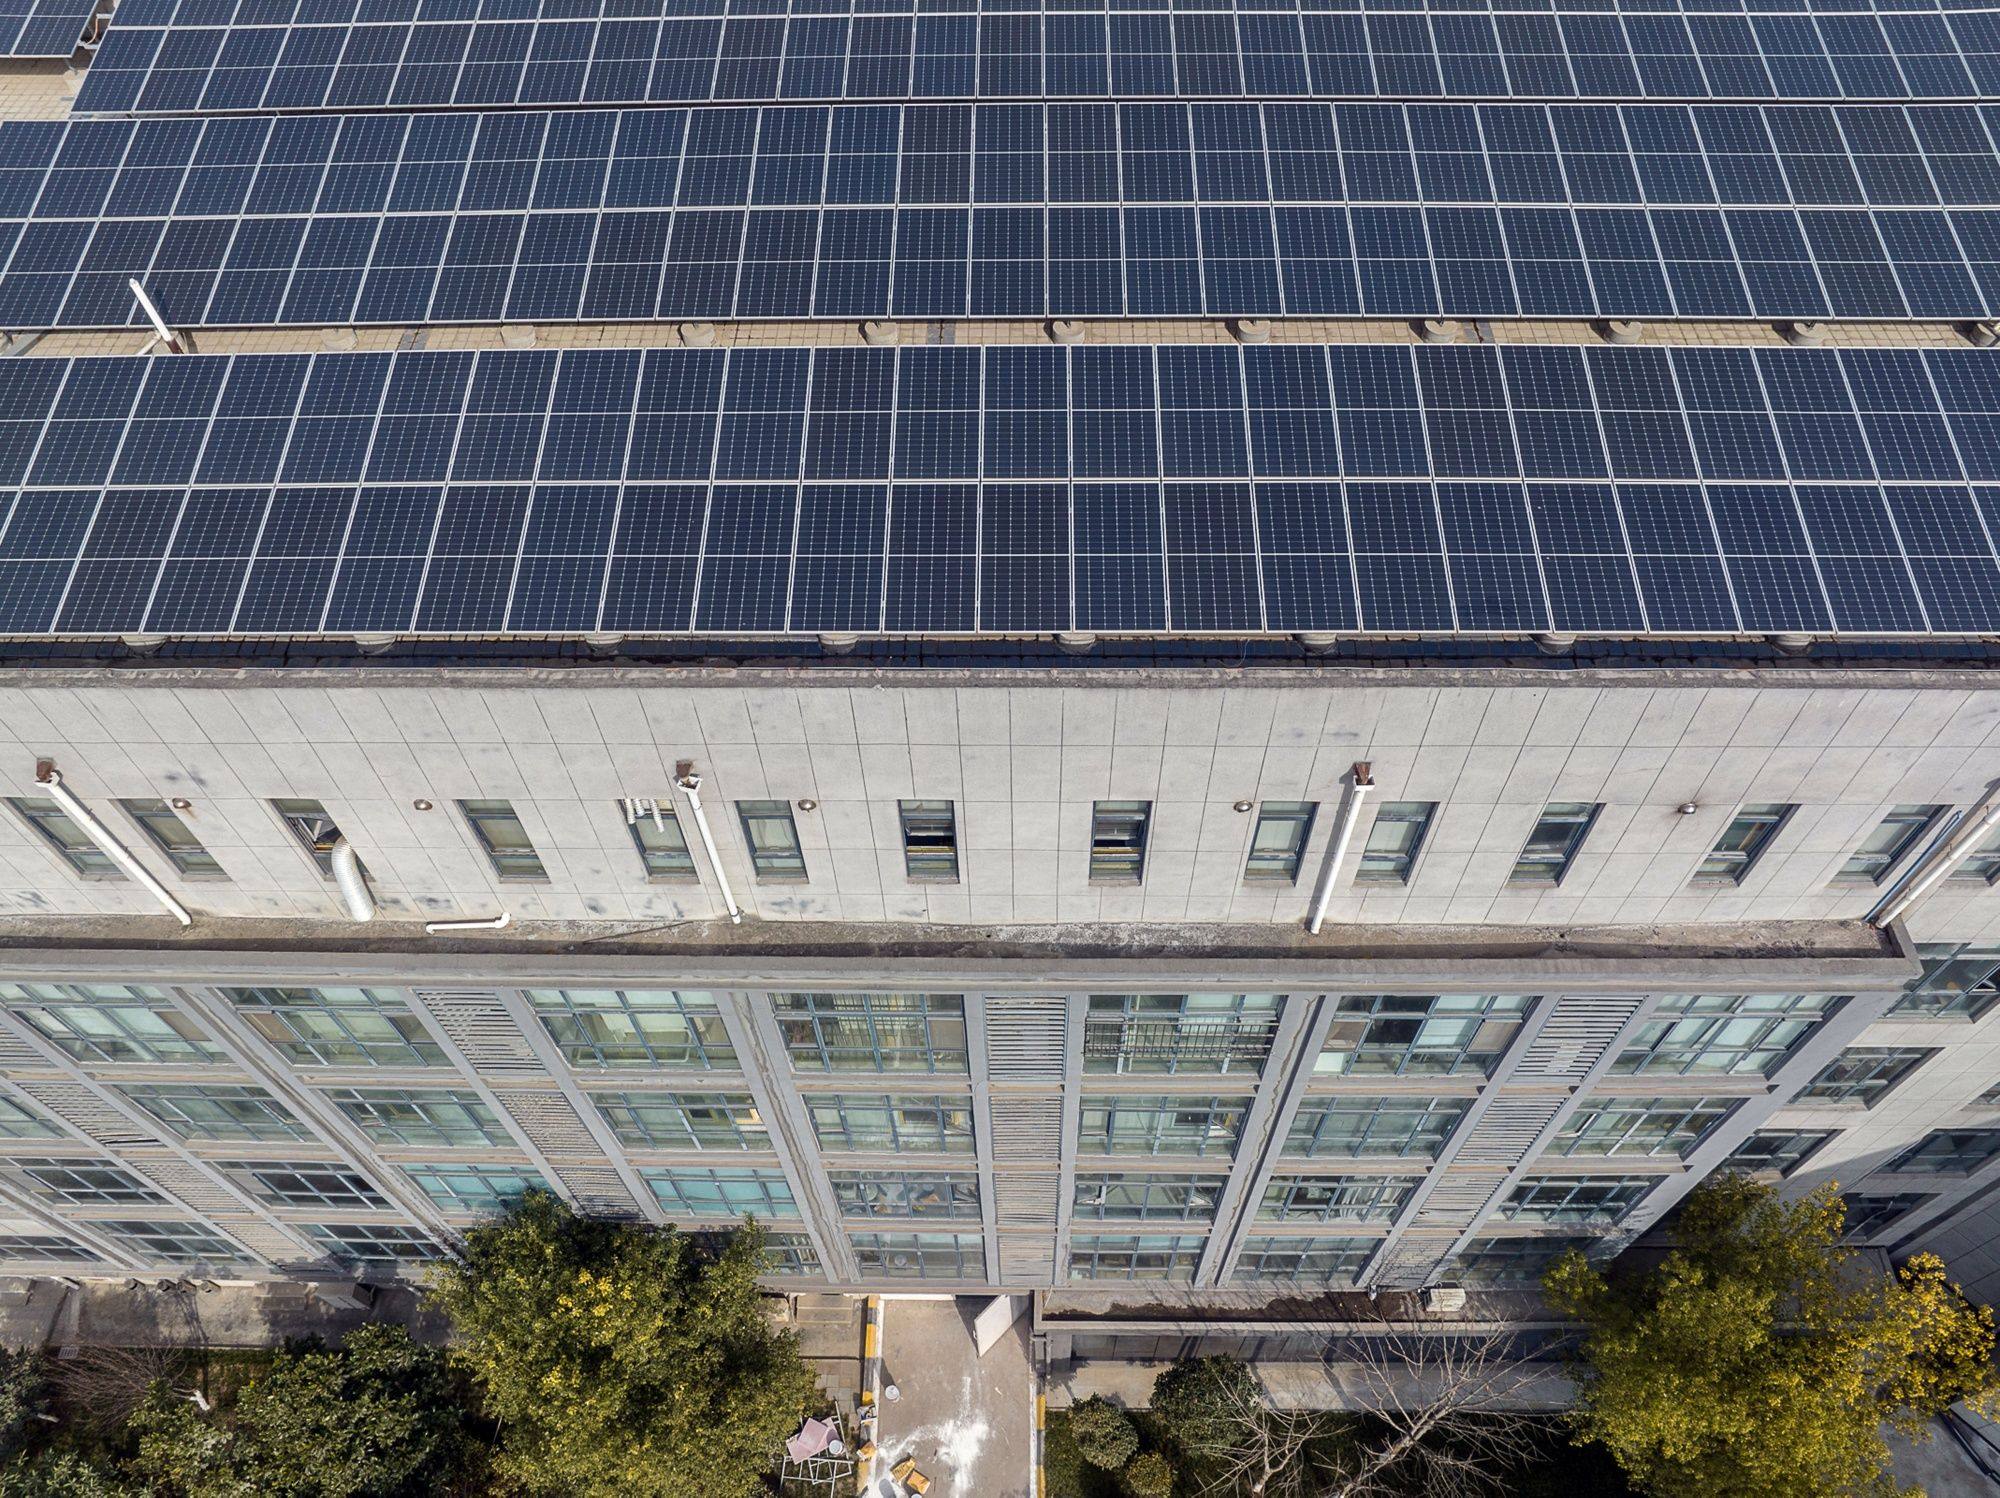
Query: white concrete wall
pixel 1023 764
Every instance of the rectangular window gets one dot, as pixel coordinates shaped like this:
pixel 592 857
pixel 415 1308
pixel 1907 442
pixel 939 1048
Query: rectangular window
pixel 338 1026
pixel 44 1248
pixel 614 1027
pixel 712 1195
pixel 920 1256
pixel 1303 1261
pixel 372 1242
pixel 316 831
pixel 18 1121
pixel 1335 1198
pixel 508 846
pixel 663 847
pixel 1779 1150
pixel 1869 1214
pixel 1172 1033
pixel 880 1032
pixel 1420 1035
pixel 1982 865
pixel 930 841
pixel 773 839
pixel 790 1254
pixel 110 1022
pixel 1864 1074
pixel 1118 841
pixel 213 1112
pixel 1577 1199
pixel 1160 1126
pixel 279 1183
pixel 174 838
pixel 1640 1127
pixel 1738 1034
pixel 403 1115
pixel 475 1188
pixel 1558 833
pixel 1946 1152
pixel 1885 846
pixel 1742 843
pixel 905 1193
pixel 78 1182
pixel 1514 1261
pixel 684 1120
pixel 933 1124
pixel 175 1242
pixel 1123 1256
pixel 1394 841
pixel 1156 1198
pixel 1956 983
pixel 56 828
pixel 1278 842
pixel 1400 1127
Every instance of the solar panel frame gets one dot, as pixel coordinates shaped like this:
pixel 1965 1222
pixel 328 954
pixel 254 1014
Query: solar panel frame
pixel 959 490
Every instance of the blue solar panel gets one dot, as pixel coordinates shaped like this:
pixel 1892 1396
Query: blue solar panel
pixel 958 490
pixel 944 211
pixel 326 54
pixel 44 28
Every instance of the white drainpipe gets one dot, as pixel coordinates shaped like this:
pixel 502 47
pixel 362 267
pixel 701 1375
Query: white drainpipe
pixel 691 783
pixel 1950 856
pixel 498 922
pixel 47 774
pixel 353 883
pixel 1350 815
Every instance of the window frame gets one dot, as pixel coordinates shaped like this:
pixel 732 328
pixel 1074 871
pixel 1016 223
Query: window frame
pixel 903 1033
pixel 1917 819
pixel 1636 1113
pixel 1745 1159
pixel 1160 1197
pixel 1197 1034
pixel 1553 1200
pixel 1116 858
pixel 768 1184
pixel 164 1103
pixel 672 862
pixel 339 1045
pixel 913 1195
pixel 928 857
pixel 345 1242
pixel 1685 1041
pixel 967 1255
pixel 1549 873
pixel 292 812
pixel 1399 867
pixel 1097 1256
pixel 630 1116
pixel 189 855
pixel 1958 1161
pixel 1179 1128
pixel 488 819
pixel 45 818
pixel 1283 866
pixel 772 864
pixel 844 1123
pixel 1485 1018
pixel 363 1107
pixel 1373 1199
pixel 104 1028
pixel 1317 1260
pixel 1725 867
pixel 1429 1114
pixel 1890 1066
pixel 605 1029
pixel 260 1179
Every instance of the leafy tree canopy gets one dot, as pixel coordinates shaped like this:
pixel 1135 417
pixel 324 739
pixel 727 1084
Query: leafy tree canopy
pixel 1760 1358
pixel 623 1362
pixel 1200 1400
pixel 1104 1434
pixel 57 1474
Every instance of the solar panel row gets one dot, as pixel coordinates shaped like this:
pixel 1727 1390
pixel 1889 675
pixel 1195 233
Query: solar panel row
pixel 43 28
pixel 951 490
pixel 1126 54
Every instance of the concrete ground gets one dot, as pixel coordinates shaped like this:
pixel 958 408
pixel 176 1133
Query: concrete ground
pixel 968 1420
pixel 58 1313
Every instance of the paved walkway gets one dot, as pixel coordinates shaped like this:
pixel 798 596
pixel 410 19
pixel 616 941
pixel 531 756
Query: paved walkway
pixel 57 1313
pixel 968 1420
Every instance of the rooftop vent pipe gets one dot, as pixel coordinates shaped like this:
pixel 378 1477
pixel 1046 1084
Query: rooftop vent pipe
pixel 690 782
pixel 86 821
pixel 353 883
pixel 1350 814
pixel 1971 833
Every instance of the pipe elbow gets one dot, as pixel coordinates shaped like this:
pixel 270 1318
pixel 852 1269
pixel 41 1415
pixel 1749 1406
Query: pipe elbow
pixel 352 882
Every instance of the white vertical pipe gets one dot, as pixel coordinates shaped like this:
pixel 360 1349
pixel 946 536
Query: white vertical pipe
pixel 1350 815
pixel 692 785
pixel 1954 853
pixel 112 849
pixel 353 884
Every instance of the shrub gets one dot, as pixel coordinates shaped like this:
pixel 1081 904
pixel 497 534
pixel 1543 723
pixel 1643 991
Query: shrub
pixel 1104 1434
pixel 1149 1476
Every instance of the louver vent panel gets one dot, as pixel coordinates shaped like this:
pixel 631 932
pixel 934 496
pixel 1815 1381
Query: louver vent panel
pixel 1575 1036
pixel 1026 1039
pixel 1505 1132
pixel 479 1025
pixel 573 1152
pixel 85 1111
pixel 598 1193
pixel 1026 1200
pixel 185 1183
pixel 1027 1261
pixel 17 1055
pixel 1456 1200
pixel 270 1244
pixel 1412 1262
pixel 1027 1128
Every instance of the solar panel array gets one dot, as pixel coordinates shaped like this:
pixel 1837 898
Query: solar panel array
pixel 43 28
pixel 943 490
pixel 1153 209
pixel 337 54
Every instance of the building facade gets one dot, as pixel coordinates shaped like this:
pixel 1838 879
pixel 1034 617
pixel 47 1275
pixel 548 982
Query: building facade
pixel 1023 995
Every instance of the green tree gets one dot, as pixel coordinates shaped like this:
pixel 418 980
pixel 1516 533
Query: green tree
pixel 24 1397
pixel 1758 1360
pixel 1200 1401
pixel 621 1362
pixel 58 1474
pixel 1150 1476
pixel 377 1418
pixel 1104 1434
